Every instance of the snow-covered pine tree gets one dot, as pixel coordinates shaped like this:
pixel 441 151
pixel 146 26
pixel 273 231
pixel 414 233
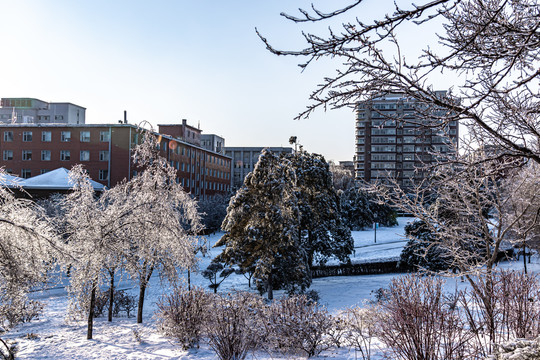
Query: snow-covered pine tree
pixel 422 250
pixel 213 210
pixel 262 227
pixel 361 209
pixel 322 231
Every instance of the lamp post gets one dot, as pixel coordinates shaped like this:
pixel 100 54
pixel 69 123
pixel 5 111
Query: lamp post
pixel 293 140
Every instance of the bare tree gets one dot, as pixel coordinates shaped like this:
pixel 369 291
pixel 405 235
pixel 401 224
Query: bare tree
pixel 464 209
pixel 93 225
pixel 161 231
pixel 28 248
pixel 490 48
pixel 524 207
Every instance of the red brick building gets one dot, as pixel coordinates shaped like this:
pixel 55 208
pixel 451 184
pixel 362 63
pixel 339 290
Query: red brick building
pixel 105 151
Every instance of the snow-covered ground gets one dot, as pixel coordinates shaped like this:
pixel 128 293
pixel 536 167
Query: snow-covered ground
pixel 53 336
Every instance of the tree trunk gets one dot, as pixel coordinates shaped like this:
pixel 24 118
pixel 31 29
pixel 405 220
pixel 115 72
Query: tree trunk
pixel 525 258
pixel 270 288
pixel 111 295
pixel 142 289
pixel 310 248
pixel 91 311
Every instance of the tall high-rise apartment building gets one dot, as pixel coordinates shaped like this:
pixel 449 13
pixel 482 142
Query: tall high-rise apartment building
pixel 396 138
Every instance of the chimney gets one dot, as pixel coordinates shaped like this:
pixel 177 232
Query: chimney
pixel 125 117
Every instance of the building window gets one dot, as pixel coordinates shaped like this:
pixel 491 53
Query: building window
pixel 65 155
pixel 27 155
pixel 104 136
pixel 104 155
pixel 43 171
pixel 85 155
pixel 8 135
pixel 59 117
pixel 45 155
pixel 103 174
pixel 27 136
pixel 85 136
pixel 46 136
pixel 8 155
pixel 65 136
pixel 26 173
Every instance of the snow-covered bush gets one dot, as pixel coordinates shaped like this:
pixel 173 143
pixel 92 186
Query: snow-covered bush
pixel 101 304
pixel 517 350
pixel 16 308
pixel 519 304
pixel 417 322
pixel 8 350
pixel 512 312
pixel 360 325
pixel 124 302
pixel 233 326
pixel 299 326
pixel 182 315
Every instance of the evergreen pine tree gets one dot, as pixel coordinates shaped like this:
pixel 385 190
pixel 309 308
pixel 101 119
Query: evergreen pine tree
pixel 261 228
pixel 322 230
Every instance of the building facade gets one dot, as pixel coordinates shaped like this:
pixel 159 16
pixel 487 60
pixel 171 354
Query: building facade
pixel 105 152
pixel 34 111
pixel 245 158
pixel 213 142
pixel 184 132
pixel 393 139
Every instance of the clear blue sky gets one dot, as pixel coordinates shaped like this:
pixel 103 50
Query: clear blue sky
pixel 163 61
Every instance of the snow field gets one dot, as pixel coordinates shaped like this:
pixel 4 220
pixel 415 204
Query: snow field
pixel 52 336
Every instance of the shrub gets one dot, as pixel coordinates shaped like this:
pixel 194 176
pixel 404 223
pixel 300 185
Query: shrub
pixel 361 325
pixel 8 350
pixel 17 308
pixel 183 314
pixel 233 325
pixel 102 303
pixel 124 302
pixel 502 309
pixel 518 350
pixel 297 325
pixel 520 308
pixel 418 323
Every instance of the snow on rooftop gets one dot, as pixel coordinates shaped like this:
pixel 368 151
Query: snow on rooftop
pixel 10 180
pixel 55 180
